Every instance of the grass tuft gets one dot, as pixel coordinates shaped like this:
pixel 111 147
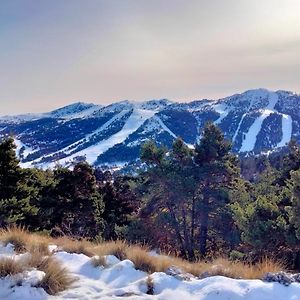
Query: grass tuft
pixel 56 279
pixel 9 266
pixel 73 246
pixel 98 261
pixel 150 286
pixel 37 246
pixel 116 248
pixel 17 236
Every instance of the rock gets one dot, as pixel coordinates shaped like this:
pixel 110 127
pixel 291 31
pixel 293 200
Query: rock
pixel 179 274
pixel 297 277
pixel 204 275
pixel 280 277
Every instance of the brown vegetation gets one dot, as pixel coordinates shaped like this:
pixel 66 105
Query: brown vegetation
pixel 57 278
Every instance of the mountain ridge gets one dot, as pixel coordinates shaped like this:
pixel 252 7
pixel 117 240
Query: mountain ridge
pixel 255 121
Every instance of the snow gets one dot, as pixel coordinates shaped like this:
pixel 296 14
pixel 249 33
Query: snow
pixel 164 127
pixel 71 147
pixel 21 146
pixel 20 286
pixel 251 136
pixel 222 110
pixel 121 279
pixel 287 129
pixel 82 114
pixel 136 119
pixel 243 117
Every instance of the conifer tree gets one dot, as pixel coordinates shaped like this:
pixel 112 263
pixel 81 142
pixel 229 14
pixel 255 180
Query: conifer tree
pixel 216 170
pixel 294 210
pixel 15 201
pixel 78 205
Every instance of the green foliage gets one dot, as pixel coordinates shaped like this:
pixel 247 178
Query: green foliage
pixel 186 192
pixel 120 202
pixel 294 211
pixel 16 205
pixel 192 202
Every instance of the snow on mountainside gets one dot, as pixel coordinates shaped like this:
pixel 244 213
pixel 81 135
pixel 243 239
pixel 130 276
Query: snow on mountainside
pixel 255 121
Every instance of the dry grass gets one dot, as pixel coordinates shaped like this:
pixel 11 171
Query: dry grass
pixel 232 269
pixel 24 241
pixel 57 279
pixel 15 235
pixel 37 245
pixel 150 286
pixel 116 248
pixel 74 246
pixel 98 261
pixel 145 262
pixel 9 266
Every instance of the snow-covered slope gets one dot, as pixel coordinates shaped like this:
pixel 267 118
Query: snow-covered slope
pixel 121 280
pixel 255 121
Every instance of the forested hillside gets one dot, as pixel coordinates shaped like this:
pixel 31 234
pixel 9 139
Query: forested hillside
pixel 195 203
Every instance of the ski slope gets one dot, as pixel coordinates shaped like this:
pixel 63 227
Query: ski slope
pixel 251 136
pixel 136 119
pixel 287 129
pixel 222 110
pixel 164 127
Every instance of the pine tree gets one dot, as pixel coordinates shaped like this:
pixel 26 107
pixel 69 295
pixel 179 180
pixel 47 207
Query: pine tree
pixel 120 203
pixel 216 170
pixel 15 196
pixel 260 214
pixel 294 210
pixel 10 173
pixel 79 205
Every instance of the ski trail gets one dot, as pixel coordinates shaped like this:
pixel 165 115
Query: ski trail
pixel 221 109
pixel 136 119
pixel 162 124
pixel 251 136
pixel 68 149
pixel 242 119
pixel 287 129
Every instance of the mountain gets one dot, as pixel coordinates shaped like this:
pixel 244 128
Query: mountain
pixel 255 121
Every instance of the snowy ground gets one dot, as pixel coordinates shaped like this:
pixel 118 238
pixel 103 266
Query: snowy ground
pixel 120 280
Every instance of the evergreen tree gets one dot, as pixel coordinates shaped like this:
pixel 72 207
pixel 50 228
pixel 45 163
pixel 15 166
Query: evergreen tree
pixel 78 205
pixel 216 170
pixel 294 211
pixel 259 213
pixel 120 202
pixel 15 196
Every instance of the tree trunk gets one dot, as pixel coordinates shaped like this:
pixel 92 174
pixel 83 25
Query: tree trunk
pixel 192 244
pixel 204 226
pixel 177 231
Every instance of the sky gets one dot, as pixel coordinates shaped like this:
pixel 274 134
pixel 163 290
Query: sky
pixel 56 52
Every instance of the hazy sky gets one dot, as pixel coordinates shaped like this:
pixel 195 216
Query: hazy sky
pixel 55 52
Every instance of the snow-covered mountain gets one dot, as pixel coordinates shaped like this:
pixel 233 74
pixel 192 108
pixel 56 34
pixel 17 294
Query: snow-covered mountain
pixel 255 121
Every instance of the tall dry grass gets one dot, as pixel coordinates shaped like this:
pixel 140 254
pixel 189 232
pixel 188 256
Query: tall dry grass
pixel 9 266
pixel 37 245
pixel 24 241
pixel 56 279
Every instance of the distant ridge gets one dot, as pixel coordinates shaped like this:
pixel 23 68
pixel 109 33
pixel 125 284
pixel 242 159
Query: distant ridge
pixel 255 121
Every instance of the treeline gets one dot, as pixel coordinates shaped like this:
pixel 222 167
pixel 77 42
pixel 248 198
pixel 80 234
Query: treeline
pixel 192 202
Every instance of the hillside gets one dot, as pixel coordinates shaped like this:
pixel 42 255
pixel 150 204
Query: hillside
pixel 255 121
